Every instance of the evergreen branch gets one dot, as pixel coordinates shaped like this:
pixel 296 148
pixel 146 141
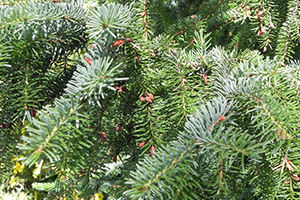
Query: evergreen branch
pixel 288 31
pixel 145 30
pixel 246 78
pixel 162 164
pixel 33 12
pixel 220 177
pixel 91 79
pixel 213 10
pixel 202 45
pixel 43 186
pixel 13 2
pixel 26 88
pixel 165 169
pixel 49 129
pixel 146 184
pixel 182 80
pixel 147 128
pixel 92 166
pixel 109 20
pixel 160 13
pixel 272 118
pixel 241 143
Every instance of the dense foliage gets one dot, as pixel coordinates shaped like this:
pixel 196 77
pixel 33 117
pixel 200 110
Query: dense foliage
pixel 156 99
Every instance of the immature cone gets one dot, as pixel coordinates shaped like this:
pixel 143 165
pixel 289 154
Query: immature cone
pixel 150 95
pixel 205 77
pixel 279 134
pixel 103 137
pixel 222 117
pixel 152 149
pixel 296 177
pixel 119 127
pixel 118 43
pixel 148 99
pixel 260 31
pixel 33 112
pixel 122 89
pixel 88 60
pixel 265 49
pixel 114 158
pixel 142 144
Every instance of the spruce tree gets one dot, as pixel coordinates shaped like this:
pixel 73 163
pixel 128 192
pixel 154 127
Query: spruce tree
pixel 154 99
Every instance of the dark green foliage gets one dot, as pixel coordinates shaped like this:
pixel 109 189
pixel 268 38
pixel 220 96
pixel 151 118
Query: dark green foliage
pixel 150 99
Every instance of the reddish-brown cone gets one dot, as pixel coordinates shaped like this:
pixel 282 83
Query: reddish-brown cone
pixel 122 89
pixel 142 144
pixel 33 112
pixel 150 95
pixel 148 99
pixel 296 177
pixel 222 117
pixel 103 137
pixel 114 158
pixel 152 149
pixel 88 60
pixel 119 127
pixel 265 49
pixel 279 134
pixel 118 43
pixel 260 31
pixel 205 77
